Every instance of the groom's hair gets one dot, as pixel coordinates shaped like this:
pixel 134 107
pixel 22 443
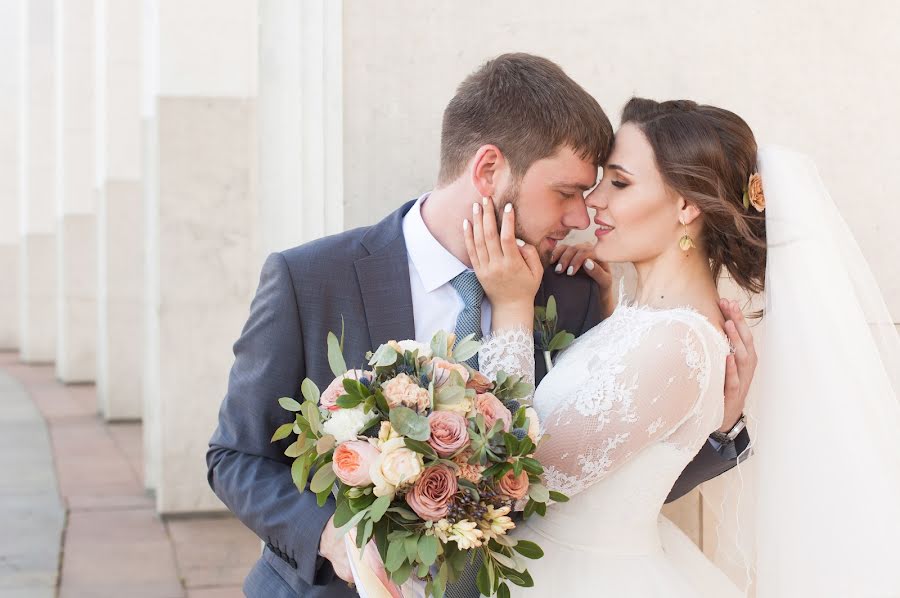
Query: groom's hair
pixel 526 106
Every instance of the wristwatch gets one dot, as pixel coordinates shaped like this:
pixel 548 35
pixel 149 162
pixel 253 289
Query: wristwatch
pixel 730 435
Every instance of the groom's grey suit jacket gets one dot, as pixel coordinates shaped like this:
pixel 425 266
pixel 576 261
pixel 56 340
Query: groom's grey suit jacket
pixel 361 276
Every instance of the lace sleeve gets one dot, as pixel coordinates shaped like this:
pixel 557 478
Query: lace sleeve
pixel 647 391
pixel 510 351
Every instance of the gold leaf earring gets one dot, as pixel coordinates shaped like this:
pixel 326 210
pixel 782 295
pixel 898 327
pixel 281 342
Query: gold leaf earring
pixel 686 242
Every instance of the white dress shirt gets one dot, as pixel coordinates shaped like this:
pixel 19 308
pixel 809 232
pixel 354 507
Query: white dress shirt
pixel 436 304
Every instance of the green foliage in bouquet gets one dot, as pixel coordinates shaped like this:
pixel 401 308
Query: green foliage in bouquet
pixel 389 406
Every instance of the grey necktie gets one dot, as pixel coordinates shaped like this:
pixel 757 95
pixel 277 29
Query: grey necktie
pixel 469 319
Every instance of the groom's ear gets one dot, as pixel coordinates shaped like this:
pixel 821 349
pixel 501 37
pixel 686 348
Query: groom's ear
pixel 486 168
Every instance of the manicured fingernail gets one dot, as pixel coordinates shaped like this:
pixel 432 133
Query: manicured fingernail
pixel 484 201
pixel 558 268
pixel 465 224
pixel 475 208
pixel 520 242
pixel 589 264
pixel 508 208
pixel 570 271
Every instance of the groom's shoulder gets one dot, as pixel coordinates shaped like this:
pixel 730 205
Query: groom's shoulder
pixel 344 248
pixel 346 245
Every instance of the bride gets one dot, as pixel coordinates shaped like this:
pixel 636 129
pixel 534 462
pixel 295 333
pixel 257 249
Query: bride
pixel 629 403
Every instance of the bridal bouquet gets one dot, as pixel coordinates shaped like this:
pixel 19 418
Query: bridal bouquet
pixel 427 459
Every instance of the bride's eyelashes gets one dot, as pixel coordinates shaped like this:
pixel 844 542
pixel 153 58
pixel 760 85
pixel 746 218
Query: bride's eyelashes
pixel 619 184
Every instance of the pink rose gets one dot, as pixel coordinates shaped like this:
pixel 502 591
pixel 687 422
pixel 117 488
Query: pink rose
pixel 512 486
pixel 403 390
pixel 441 370
pixel 431 495
pixel 493 410
pixel 479 382
pixel 449 432
pixel 351 462
pixel 329 398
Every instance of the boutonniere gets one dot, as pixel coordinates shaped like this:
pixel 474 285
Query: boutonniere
pixel 547 338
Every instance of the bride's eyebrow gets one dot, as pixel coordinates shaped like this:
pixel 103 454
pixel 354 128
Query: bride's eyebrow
pixel 620 168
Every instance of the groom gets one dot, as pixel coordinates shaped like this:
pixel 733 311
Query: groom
pixel 518 127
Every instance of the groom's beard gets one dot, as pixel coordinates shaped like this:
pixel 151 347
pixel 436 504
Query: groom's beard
pixel 511 196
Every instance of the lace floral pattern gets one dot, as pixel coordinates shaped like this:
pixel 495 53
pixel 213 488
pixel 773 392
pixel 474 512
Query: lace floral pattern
pixel 510 351
pixel 640 378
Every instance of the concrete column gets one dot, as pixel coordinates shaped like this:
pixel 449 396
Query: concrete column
pixel 120 213
pixel 204 244
pixel 37 285
pixel 76 243
pixel 10 41
pixel 301 141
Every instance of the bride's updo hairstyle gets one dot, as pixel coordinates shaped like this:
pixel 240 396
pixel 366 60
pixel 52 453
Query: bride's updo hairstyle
pixel 707 155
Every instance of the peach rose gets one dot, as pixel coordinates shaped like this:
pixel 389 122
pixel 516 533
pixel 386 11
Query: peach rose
pixel 449 432
pixel 335 390
pixel 492 409
pixel 430 496
pixel 352 460
pixel 479 382
pixel 441 370
pixel 755 192
pixel 403 390
pixel 512 486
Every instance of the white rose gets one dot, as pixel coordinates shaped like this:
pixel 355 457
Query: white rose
pixel 534 424
pixel 395 465
pixel 424 350
pixel 346 424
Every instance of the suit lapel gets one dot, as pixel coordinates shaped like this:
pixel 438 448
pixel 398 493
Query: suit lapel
pixel 384 281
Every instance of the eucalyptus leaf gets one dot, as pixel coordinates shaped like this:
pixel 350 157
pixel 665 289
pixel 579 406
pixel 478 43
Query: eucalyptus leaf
pixel 283 431
pixel 385 355
pixel 483 579
pixel 561 341
pixel 289 404
pixel 310 391
pixel 325 444
pixel 465 349
pixel 420 447
pixel 352 523
pixel 378 508
pixel 348 401
pixel 300 472
pixel 506 561
pixel 538 493
pixel 313 417
pixel 411 545
pixel 335 357
pixel 342 513
pixel 396 555
pixel 551 309
pixel 323 479
pixel 402 573
pixel 409 423
pixel 427 549
pixel 503 591
pixel 439 344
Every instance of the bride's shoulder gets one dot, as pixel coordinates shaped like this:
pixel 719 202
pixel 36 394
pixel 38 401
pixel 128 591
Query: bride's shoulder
pixel 675 324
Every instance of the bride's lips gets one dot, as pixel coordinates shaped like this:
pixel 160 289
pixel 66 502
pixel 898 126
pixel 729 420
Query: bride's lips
pixel 603 228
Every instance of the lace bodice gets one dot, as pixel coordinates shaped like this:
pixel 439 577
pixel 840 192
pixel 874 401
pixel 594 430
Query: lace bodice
pixel 641 378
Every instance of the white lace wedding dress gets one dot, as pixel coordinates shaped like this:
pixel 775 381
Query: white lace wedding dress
pixel 624 410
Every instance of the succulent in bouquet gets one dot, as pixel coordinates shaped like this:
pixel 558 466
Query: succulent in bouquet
pixel 427 459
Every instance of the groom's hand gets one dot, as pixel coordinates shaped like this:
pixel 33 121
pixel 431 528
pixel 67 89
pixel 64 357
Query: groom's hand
pixel 740 366
pixel 331 546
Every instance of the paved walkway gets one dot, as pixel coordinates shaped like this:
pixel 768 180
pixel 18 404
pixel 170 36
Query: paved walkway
pixel 75 519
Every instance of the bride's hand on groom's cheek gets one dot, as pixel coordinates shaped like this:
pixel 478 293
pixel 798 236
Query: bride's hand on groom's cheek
pixel 740 366
pixel 509 269
pixel 569 259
